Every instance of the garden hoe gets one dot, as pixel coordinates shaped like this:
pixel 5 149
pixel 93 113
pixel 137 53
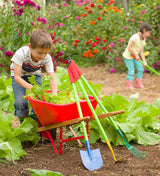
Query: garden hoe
pixel 138 154
pixel 91 159
pixel 147 66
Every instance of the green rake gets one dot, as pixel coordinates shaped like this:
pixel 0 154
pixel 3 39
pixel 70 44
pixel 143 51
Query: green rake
pixel 135 152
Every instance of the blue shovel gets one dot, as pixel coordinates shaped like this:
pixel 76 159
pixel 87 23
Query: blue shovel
pixel 91 159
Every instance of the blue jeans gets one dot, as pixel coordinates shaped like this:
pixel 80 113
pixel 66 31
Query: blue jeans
pixel 20 104
pixel 131 65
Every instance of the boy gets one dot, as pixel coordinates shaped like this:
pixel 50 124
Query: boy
pixel 27 61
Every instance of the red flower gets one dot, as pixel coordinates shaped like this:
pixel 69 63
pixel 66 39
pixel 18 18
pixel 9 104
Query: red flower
pixel 88 42
pixel 86 7
pixel 109 4
pixel 121 40
pixel 98 42
pixel 90 11
pixel 99 18
pixel 93 44
pixel 104 48
pixel 99 6
pixel 65 62
pixel 77 41
pixel 97 38
pixel 92 5
pixel 104 41
pixel 75 45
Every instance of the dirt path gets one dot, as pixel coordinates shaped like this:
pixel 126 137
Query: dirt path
pixel 116 83
pixel 70 164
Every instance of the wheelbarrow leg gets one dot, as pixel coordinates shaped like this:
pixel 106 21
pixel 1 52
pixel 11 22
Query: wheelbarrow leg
pixel 60 141
pixel 52 142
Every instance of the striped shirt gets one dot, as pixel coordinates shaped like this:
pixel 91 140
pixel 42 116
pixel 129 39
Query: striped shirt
pixel 23 58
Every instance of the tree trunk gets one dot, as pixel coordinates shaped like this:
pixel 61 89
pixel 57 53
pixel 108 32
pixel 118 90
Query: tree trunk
pixel 125 6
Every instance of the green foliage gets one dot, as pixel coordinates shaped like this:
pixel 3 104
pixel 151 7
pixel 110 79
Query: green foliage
pixel 139 123
pixel 65 94
pixel 6 94
pixel 11 138
pixel 36 172
pixel 71 30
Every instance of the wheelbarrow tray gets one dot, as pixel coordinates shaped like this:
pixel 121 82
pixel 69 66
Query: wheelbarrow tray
pixel 49 113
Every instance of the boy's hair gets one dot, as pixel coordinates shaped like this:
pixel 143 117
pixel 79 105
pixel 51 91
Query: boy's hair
pixel 145 26
pixel 41 39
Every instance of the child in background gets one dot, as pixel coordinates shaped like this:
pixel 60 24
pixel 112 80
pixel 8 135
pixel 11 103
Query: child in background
pixel 136 47
pixel 27 61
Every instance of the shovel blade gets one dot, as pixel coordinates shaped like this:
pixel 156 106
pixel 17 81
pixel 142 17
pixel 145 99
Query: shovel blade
pixel 94 162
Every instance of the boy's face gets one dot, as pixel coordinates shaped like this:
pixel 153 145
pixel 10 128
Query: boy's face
pixel 38 54
pixel 146 34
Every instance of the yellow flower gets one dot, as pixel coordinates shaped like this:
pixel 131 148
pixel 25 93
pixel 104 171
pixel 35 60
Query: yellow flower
pixel 146 53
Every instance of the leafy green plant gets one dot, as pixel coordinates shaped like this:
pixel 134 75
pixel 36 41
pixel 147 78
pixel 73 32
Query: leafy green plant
pixel 36 172
pixel 11 138
pixel 139 123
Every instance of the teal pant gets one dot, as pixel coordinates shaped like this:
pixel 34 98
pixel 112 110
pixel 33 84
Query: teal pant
pixel 131 65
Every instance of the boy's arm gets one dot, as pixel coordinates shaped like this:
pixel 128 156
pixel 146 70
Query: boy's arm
pixel 143 56
pixel 19 80
pixel 53 83
pixel 131 43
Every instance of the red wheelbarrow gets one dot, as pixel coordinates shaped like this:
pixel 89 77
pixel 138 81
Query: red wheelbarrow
pixel 53 116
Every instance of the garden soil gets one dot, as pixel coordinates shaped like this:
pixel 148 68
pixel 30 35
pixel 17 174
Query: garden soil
pixel 42 156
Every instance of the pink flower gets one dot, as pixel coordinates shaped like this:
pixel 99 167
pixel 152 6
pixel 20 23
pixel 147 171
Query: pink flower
pixel 60 24
pixel 27 33
pixel 77 18
pixel 143 12
pixel 67 16
pixel 17 30
pixel 155 67
pixel 108 57
pixel 99 18
pixel 125 27
pixel 112 70
pixel 19 34
pixel 145 71
pixel 38 8
pixel 112 45
pixel 2 65
pixel 43 20
pixel 158 62
pixel 57 4
pixel 61 53
pixel 32 24
pixel 121 40
pixel 9 53
pixel 118 58
pixel 132 19
pixel 140 21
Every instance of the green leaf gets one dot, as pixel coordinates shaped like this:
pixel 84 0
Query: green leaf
pixel 44 173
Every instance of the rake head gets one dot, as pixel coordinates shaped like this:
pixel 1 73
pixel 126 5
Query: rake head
pixel 135 152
